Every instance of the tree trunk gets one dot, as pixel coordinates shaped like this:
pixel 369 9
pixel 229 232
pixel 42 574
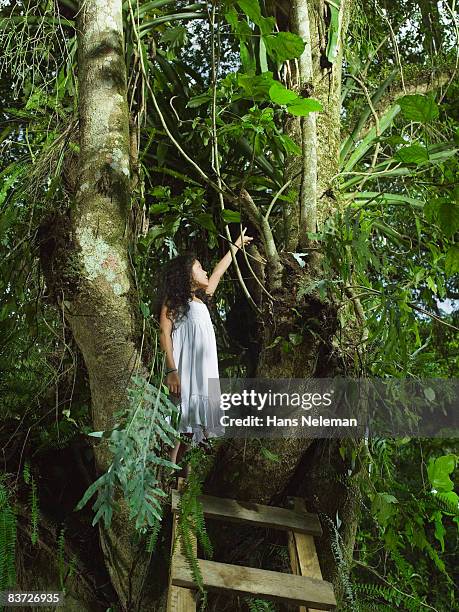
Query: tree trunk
pixel 49 566
pixel 432 26
pixel 314 356
pixel 312 468
pixel 99 298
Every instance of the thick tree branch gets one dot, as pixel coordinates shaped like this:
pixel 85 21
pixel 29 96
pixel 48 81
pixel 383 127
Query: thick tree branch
pixel 422 86
pixel 99 304
pixel 264 228
pixel 307 127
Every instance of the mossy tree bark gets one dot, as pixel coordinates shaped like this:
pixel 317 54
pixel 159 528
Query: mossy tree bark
pixel 100 305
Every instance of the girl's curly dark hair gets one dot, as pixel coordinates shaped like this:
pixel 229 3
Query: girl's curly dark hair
pixel 175 286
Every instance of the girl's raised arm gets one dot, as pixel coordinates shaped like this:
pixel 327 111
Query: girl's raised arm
pixel 224 263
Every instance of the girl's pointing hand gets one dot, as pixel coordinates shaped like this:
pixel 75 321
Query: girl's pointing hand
pixel 243 239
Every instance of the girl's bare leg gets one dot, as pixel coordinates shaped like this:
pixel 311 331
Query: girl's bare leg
pixel 177 453
pixel 184 448
pixel 173 453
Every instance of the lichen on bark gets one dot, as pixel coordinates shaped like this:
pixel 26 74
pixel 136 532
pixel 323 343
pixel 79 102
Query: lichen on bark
pixel 100 260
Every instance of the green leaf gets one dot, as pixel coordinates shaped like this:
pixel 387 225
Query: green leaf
pixel 7 183
pixel 269 455
pixel 451 500
pixel 231 216
pixel 431 284
pixel 394 140
pixel 90 491
pixel 262 56
pixel 439 470
pixel 414 154
pixel 430 210
pixel 157 209
pixel 371 137
pixel 37 100
pixel 284 46
pixel 281 95
pixel 445 212
pixel 199 100
pixel 256 86
pixel 304 106
pixel 290 146
pixel 440 531
pixel 285 347
pixel 145 309
pixel 383 507
pixel 452 260
pixel 418 107
pixel 333 32
pixel 160 192
pixel 276 341
pixel 205 220
pixel 171 225
pixel 176 37
pixel 232 19
pixel 295 339
pixel 154 232
pixel 448 216
pixel 252 9
pixel 247 60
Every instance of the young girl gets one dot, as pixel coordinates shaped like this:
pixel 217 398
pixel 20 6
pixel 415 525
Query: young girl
pixel 188 339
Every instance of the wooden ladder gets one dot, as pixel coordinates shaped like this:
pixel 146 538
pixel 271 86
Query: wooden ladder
pixel 304 587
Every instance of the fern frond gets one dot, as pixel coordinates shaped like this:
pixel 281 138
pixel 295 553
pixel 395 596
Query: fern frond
pixel 61 556
pixel 376 592
pixel 34 510
pixel 259 605
pixel 26 472
pixel 8 524
pixel 446 504
pixel 153 536
pixel 191 523
pixel 136 442
pixel 342 564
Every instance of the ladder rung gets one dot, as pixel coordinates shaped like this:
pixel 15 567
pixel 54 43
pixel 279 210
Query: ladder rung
pixel 256 514
pixel 297 590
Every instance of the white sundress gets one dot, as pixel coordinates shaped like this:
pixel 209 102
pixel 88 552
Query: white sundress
pixel 195 356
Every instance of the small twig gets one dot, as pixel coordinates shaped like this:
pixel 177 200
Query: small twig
pixel 411 305
pixel 253 273
pixel 279 193
pixel 359 312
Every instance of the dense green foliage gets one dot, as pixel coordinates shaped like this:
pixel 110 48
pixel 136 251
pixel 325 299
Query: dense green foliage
pixel 208 121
